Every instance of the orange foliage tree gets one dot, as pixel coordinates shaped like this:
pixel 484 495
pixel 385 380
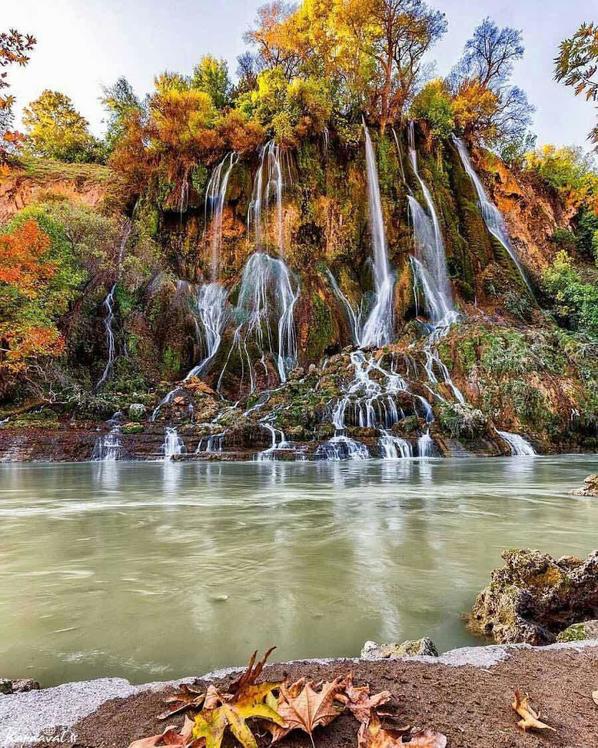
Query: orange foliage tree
pixel 25 269
pixel 14 49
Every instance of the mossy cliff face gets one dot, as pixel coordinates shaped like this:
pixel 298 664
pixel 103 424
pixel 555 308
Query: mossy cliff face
pixel 517 371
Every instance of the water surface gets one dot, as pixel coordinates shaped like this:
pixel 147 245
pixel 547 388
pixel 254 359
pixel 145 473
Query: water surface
pixel 152 571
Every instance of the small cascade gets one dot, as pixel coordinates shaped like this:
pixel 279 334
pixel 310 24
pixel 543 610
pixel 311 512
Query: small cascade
pixel 108 448
pixel 519 446
pixel 393 447
pixel 279 443
pixel 211 444
pixel 425 445
pixel 490 213
pixel 173 444
pixel 379 325
pixel 214 207
pixel 341 447
pixel 213 315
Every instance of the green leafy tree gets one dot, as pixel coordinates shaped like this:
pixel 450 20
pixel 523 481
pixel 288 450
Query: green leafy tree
pixel 55 129
pixel 211 76
pixel 120 103
pixel 434 104
pixel 575 303
pixel 577 65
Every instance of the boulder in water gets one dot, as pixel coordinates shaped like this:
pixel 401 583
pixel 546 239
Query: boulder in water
pixel 589 488
pixel 18 686
pixel 410 648
pixel 534 597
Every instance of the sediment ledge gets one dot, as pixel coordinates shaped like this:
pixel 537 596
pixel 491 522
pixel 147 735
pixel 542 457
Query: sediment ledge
pixel 465 694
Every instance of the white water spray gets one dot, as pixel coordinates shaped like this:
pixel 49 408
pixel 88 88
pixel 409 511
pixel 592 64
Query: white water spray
pixel 519 446
pixel 173 445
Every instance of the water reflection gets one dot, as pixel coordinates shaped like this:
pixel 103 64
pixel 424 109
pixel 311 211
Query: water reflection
pixel 191 566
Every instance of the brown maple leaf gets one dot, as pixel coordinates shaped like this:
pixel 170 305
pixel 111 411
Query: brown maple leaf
pixel 187 697
pixel 358 700
pixel 529 717
pixel 304 708
pixel 373 735
pixel 170 736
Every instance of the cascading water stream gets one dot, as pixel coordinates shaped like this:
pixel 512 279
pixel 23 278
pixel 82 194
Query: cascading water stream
pixel 491 214
pixel 108 448
pixel 108 305
pixel 430 274
pixel 379 325
pixel 173 445
pixel 213 315
pixel 214 208
pixel 519 446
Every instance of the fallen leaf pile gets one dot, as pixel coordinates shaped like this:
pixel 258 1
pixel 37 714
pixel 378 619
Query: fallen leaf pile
pixel 279 708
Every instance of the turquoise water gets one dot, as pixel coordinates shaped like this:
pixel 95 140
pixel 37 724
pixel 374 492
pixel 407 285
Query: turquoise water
pixel 152 571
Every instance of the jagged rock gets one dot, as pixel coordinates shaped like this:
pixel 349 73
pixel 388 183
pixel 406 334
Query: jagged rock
pixel 579 632
pixel 18 686
pixel 137 411
pixel 533 597
pixel 589 488
pixel 411 648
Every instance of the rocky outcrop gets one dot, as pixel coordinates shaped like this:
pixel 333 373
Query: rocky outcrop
pixel 21 685
pixel 589 488
pixel 534 597
pixel 410 648
pixel 82 184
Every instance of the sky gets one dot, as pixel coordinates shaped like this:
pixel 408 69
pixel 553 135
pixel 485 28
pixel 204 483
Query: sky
pixel 85 44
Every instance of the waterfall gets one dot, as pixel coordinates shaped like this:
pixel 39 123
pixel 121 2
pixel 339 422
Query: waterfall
pixel 378 328
pixel 393 447
pixel 214 207
pixel 268 185
pixel 211 308
pixel 428 238
pixel 108 305
pixel 108 448
pixel 491 214
pixel 517 444
pixel 341 447
pixel 173 445
pixel 265 312
pixel 354 316
pixel 430 274
pixel 425 445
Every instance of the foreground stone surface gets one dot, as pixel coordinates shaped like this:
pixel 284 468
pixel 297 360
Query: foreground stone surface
pixel 459 693
pixel 534 597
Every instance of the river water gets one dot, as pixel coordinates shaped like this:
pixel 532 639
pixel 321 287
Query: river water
pixel 152 571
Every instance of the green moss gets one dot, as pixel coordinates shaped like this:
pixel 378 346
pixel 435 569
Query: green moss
pixel 575 633
pixel 132 428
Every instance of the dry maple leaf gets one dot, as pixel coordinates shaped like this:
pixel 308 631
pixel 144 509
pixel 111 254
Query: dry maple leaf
pixel 187 697
pixel 595 697
pixel 375 736
pixel 170 736
pixel 358 700
pixel 529 718
pixel 247 700
pixel 303 708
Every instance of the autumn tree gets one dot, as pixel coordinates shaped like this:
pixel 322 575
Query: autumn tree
pixel 393 35
pixel 14 50
pixel 25 270
pixel 487 107
pixel 55 129
pixel 577 65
